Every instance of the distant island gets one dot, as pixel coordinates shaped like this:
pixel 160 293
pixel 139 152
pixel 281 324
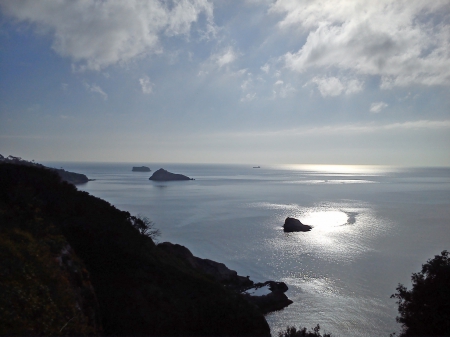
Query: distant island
pixel 256 166
pixel 141 169
pixel 163 175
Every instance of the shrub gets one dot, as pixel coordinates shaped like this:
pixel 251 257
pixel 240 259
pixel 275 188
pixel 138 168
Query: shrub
pixel 145 227
pixel 425 309
pixel 291 331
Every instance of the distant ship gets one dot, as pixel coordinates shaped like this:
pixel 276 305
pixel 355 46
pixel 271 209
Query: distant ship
pixel 256 166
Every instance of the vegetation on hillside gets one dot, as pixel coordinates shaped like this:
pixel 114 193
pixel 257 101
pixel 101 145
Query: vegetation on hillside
pixel 292 331
pixel 140 289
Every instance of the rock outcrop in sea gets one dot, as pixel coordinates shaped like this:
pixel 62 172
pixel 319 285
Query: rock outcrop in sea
pixel 294 225
pixel 275 300
pixel 163 175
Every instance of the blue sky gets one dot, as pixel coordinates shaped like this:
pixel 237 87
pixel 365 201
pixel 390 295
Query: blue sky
pixel 260 82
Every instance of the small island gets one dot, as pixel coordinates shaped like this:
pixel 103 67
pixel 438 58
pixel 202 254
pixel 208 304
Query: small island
pixel 163 175
pixel 294 225
pixel 141 169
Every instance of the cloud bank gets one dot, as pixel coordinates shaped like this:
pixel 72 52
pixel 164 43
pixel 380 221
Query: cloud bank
pixel 397 40
pixel 97 34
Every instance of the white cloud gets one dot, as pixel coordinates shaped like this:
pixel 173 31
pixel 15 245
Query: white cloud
pixel 146 85
pixel 266 68
pixel 225 57
pixel 404 42
pixel 377 107
pixel 360 128
pixel 282 90
pixel 333 86
pixel 249 97
pixel 97 34
pixel 241 72
pixel 95 89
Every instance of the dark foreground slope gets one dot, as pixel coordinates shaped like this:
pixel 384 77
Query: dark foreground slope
pixel 70 177
pixel 114 282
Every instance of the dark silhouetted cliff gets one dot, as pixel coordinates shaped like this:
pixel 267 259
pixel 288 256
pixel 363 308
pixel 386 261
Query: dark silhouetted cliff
pixel 72 264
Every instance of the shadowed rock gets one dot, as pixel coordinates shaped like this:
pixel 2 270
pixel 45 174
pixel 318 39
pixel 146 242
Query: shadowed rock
pixel 217 270
pixel 163 175
pixel 294 225
pixel 274 300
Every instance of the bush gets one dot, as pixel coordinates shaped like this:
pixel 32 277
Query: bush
pixel 425 309
pixel 291 331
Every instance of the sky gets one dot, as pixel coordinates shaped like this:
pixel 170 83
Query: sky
pixel 196 81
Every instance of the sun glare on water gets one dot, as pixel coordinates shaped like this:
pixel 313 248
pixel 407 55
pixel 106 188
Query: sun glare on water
pixel 324 219
pixel 366 170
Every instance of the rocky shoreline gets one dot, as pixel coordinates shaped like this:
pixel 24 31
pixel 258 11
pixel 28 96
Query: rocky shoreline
pixel 276 299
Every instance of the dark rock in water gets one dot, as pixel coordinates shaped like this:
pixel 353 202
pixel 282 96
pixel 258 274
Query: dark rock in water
pixel 163 175
pixel 276 300
pixel 294 225
pixel 141 169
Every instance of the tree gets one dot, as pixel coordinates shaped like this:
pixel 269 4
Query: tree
pixel 145 227
pixel 425 309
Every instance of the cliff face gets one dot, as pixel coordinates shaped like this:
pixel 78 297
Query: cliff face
pixel 69 243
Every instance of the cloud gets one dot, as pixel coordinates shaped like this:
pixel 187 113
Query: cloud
pixel 225 57
pixel 333 86
pixel 359 128
pixel 97 34
pixel 95 89
pixel 249 97
pixel 265 68
pixel 377 107
pixel 404 42
pixel 282 90
pixel 146 85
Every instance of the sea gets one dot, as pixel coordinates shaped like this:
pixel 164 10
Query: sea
pixel 373 226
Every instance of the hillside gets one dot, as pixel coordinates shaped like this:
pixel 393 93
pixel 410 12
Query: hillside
pixel 72 264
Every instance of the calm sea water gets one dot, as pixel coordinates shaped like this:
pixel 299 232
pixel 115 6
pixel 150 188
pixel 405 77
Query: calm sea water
pixel 372 228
